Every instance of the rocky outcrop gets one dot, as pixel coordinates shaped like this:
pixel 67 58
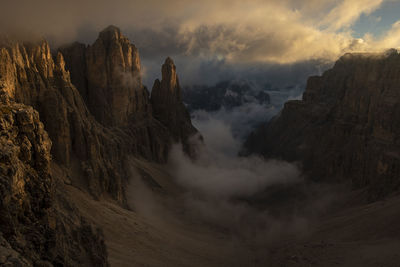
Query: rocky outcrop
pixel 38 226
pixel 95 151
pixel 32 232
pixel 345 128
pixel 107 74
pixel 168 107
pixel 30 75
pixel 112 68
pixel 75 55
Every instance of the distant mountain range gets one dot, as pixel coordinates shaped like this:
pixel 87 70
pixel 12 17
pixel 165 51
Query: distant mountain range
pixel 225 94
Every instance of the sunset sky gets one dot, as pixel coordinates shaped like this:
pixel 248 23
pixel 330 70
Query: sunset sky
pixel 228 32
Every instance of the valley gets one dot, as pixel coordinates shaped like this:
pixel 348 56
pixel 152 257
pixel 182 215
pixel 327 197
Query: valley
pixel 98 170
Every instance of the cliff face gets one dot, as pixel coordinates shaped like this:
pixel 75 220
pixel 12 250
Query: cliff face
pixel 111 87
pixel 113 91
pixel 168 108
pixel 345 128
pixel 30 74
pixel 93 127
pixel 32 231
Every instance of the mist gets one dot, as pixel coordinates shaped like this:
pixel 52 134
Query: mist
pixel 221 189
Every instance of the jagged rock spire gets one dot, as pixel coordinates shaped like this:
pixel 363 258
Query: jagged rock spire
pixel 168 108
pixel 111 84
pixel 169 77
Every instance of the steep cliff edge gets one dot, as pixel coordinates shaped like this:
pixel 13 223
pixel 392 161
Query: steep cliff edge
pixel 168 108
pixel 107 74
pixel 111 86
pixel 91 147
pixel 93 127
pixel 35 227
pixel 346 128
pixel 30 75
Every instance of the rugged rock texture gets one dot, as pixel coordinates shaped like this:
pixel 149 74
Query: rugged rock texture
pixel 37 225
pixel 346 127
pixel 112 86
pixel 168 108
pixel 28 74
pixel 113 74
pixel 75 55
pixel 32 232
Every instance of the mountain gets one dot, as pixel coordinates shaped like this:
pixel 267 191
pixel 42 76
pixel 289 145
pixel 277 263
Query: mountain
pixel 74 117
pixel 226 94
pixel 345 129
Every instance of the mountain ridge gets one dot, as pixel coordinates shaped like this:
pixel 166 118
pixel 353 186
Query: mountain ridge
pixel 97 114
pixel 345 127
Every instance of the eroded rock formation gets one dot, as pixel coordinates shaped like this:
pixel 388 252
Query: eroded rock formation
pixel 346 127
pixel 95 120
pixel 111 86
pixel 30 75
pixel 33 232
pixel 168 108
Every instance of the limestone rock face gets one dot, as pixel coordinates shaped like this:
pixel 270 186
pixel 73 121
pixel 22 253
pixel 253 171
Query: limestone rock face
pixel 31 75
pixel 32 232
pixel 93 127
pixel 75 55
pixel 107 74
pixel 38 80
pixel 346 127
pixel 168 108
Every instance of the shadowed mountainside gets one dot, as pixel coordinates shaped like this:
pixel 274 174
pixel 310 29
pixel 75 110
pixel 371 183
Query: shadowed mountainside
pixel 346 128
pixel 93 127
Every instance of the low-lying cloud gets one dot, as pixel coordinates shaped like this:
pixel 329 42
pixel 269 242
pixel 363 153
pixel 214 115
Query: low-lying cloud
pixel 223 176
pixel 221 187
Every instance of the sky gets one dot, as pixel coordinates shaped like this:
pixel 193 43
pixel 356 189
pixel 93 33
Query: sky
pixel 211 38
pixel 379 21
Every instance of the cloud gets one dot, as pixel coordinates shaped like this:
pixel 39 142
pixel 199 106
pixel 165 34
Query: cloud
pixel 347 12
pixel 389 40
pixel 222 188
pixel 239 31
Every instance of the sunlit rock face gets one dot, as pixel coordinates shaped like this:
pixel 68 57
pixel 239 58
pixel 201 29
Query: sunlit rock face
pixel 95 143
pixel 346 127
pixel 31 76
pixel 93 127
pixel 34 230
pixel 168 108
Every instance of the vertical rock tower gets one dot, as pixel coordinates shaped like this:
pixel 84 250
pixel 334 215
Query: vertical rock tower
pixel 111 85
pixel 168 108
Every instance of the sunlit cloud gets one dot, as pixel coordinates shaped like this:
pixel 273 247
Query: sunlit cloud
pixel 284 31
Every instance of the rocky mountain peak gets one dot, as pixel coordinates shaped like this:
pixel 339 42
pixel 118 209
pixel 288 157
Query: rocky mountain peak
pixel 112 35
pixel 352 110
pixel 170 80
pixel 168 107
pixel 111 31
pixel 107 74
